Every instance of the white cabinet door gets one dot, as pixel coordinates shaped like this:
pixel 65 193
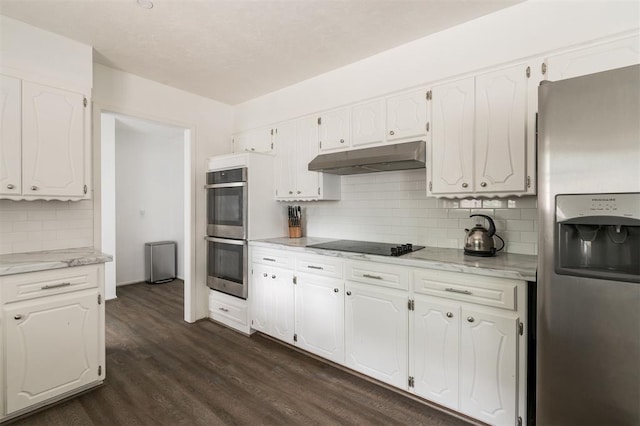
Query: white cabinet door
pixel 285 171
pixel 256 140
pixel 435 330
pixel 616 54
pixel 367 123
pixel 407 115
pixel 52 347
pixel 452 134
pixel 272 302
pixel 307 183
pixel 261 300
pixel 320 316
pixel 501 132
pixel 488 366
pixel 10 136
pixel 53 147
pixel 376 332
pixel 334 130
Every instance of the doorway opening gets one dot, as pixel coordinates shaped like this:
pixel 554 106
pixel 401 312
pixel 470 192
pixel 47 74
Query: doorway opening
pixel 145 196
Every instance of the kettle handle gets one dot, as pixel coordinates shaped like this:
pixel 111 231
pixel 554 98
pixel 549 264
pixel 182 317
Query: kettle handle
pixel 492 226
pixel 500 238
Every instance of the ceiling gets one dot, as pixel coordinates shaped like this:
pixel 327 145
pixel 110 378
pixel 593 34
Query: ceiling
pixel 236 50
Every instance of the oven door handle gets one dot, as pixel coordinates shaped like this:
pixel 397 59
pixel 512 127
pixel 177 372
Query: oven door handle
pixel 225 241
pixel 225 185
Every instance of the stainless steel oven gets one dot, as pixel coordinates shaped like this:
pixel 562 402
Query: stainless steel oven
pixel 227 266
pixel 227 203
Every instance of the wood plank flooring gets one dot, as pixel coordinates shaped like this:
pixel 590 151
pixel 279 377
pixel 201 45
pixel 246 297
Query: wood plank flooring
pixel 163 371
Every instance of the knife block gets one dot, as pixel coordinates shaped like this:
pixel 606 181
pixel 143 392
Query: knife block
pixel 295 231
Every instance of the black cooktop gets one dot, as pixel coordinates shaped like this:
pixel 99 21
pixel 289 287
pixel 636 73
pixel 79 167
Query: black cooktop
pixel 367 247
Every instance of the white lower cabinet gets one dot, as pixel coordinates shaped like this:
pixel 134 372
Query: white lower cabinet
pixel 320 316
pixel 448 337
pixel 488 366
pixel 52 336
pixel 273 302
pixel 377 332
pixel 434 359
pixel 53 347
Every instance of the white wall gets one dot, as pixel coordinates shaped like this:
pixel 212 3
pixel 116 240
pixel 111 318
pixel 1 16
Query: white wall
pixel 210 129
pixel 149 197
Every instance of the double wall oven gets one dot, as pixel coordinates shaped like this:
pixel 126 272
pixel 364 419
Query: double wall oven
pixel 227 231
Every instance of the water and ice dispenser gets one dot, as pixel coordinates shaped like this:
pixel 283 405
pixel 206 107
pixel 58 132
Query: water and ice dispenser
pixel 598 236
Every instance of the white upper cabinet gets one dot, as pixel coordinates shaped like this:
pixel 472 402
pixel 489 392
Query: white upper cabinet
pixel 483 135
pixel 501 132
pixel 452 117
pixel 367 123
pixel 256 140
pixel 296 146
pixel 615 54
pixel 334 130
pixel 53 146
pixel 44 142
pixel 10 136
pixel 407 115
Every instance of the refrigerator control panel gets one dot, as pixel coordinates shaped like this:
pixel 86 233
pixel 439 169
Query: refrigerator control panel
pixel 572 206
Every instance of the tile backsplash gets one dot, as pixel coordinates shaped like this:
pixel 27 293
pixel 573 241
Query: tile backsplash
pixel 393 207
pixel 45 225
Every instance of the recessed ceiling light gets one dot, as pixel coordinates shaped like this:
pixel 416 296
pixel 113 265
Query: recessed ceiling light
pixel 145 4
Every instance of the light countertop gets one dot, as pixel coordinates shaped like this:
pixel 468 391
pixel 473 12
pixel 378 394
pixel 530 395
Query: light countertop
pixel 503 265
pixel 18 263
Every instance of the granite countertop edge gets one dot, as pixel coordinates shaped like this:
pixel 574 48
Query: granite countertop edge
pixel 504 265
pixel 20 263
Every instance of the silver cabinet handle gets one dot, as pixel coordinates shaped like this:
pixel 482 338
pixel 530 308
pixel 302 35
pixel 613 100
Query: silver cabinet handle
pixel 335 290
pixel 264 275
pixel 375 277
pixel 17 316
pixel 483 184
pixel 34 188
pixel 273 277
pixel 315 267
pixel 465 184
pixel 348 293
pixel 50 286
pixel 10 186
pixel 223 309
pixel 341 140
pixel 268 259
pixel 299 192
pixel 455 290
pixel 449 315
pixel 391 132
pixel 290 192
pixel 470 319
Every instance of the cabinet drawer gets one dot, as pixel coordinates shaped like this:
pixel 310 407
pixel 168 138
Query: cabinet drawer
pixel 45 283
pixel 320 265
pixel 278 258
pixel 227 308
pixel 490 291
pixel 378 274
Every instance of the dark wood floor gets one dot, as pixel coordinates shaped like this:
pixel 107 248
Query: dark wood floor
pixel 163 371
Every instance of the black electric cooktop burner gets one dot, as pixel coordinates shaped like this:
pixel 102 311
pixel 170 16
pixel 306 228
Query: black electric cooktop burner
pixel 367 247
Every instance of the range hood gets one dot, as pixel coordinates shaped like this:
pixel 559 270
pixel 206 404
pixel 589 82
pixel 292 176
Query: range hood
pixel 402 156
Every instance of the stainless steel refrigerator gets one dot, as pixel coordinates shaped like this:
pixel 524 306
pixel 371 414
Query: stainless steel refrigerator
pixel 588 297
